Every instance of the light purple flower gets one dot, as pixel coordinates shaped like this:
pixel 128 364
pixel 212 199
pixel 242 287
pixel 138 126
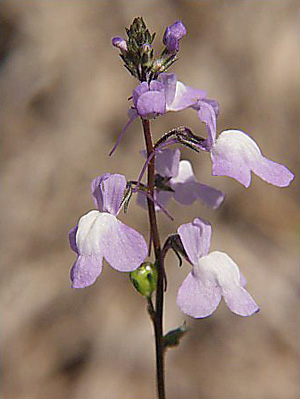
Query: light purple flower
pixel 100 234
pixel 172 35
pixel 120 43
pixel 163 95
pixel 236 155
pixel 214 275
pixel 181 179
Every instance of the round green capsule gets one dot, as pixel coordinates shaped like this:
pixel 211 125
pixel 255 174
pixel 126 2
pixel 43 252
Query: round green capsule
pixel 144 279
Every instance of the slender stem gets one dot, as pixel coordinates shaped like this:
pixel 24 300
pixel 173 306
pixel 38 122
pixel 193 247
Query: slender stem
pixel 159 303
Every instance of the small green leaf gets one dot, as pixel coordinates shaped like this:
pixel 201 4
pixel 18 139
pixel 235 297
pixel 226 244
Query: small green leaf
pixel 173 337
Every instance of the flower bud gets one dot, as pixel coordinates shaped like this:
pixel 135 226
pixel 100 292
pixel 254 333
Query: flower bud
pixel 120 43
pixel 144 279
pixel 147 48
pixel 172 36
pixel 158 66
pixel 147 54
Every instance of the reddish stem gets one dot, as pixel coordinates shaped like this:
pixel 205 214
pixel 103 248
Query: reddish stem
pixel 159 303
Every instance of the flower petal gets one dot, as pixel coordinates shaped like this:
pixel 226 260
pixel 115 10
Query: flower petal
pixel 207 114
pixel 151 104
pixel 96 190
pixel 187 190
pixel 235 154
pixel 89 233
pixel 177 29
pixel 88 265
pixel 169 81
pixel 188 193
pixel 195 237
pixel 112 189
pixel 123 247
pixel 185 97
pixel 72 238
pixel 102 234
pixel 243 280
pixel 156 85
pixel 85 270
pixel 198 297
pixel 273 172
pixel 167 162
pixel 120 43
pixel 138 91
pixel 213 103
pixel 172 35
pixel 219 267
pixel 108 191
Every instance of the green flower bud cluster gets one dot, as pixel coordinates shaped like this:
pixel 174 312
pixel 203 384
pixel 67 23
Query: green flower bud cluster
pixel 139 54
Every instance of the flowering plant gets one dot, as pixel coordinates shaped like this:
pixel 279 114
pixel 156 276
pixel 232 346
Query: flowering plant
pixel 233 153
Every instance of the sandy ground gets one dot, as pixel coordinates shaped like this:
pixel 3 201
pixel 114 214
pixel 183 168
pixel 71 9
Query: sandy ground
pixel 64 102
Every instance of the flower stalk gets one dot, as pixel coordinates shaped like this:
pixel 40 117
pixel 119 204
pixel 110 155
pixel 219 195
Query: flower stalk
pixel 159 302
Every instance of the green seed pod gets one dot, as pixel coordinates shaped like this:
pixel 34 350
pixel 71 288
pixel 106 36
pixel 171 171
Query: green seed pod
pixel 144 279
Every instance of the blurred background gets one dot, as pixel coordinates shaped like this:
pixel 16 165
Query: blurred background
pixel 64 102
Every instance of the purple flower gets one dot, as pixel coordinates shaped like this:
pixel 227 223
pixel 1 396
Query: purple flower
pixel 214 275
pixel 100 234
pixel 235 154
pixel 163 95
pixel 172 36
pixel 120 43
pixel 179 176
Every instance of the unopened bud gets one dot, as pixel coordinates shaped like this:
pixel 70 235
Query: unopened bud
pixel 147 48
pixel 120 43
pixel 147 55
pixel 158 66
pixel 172 36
